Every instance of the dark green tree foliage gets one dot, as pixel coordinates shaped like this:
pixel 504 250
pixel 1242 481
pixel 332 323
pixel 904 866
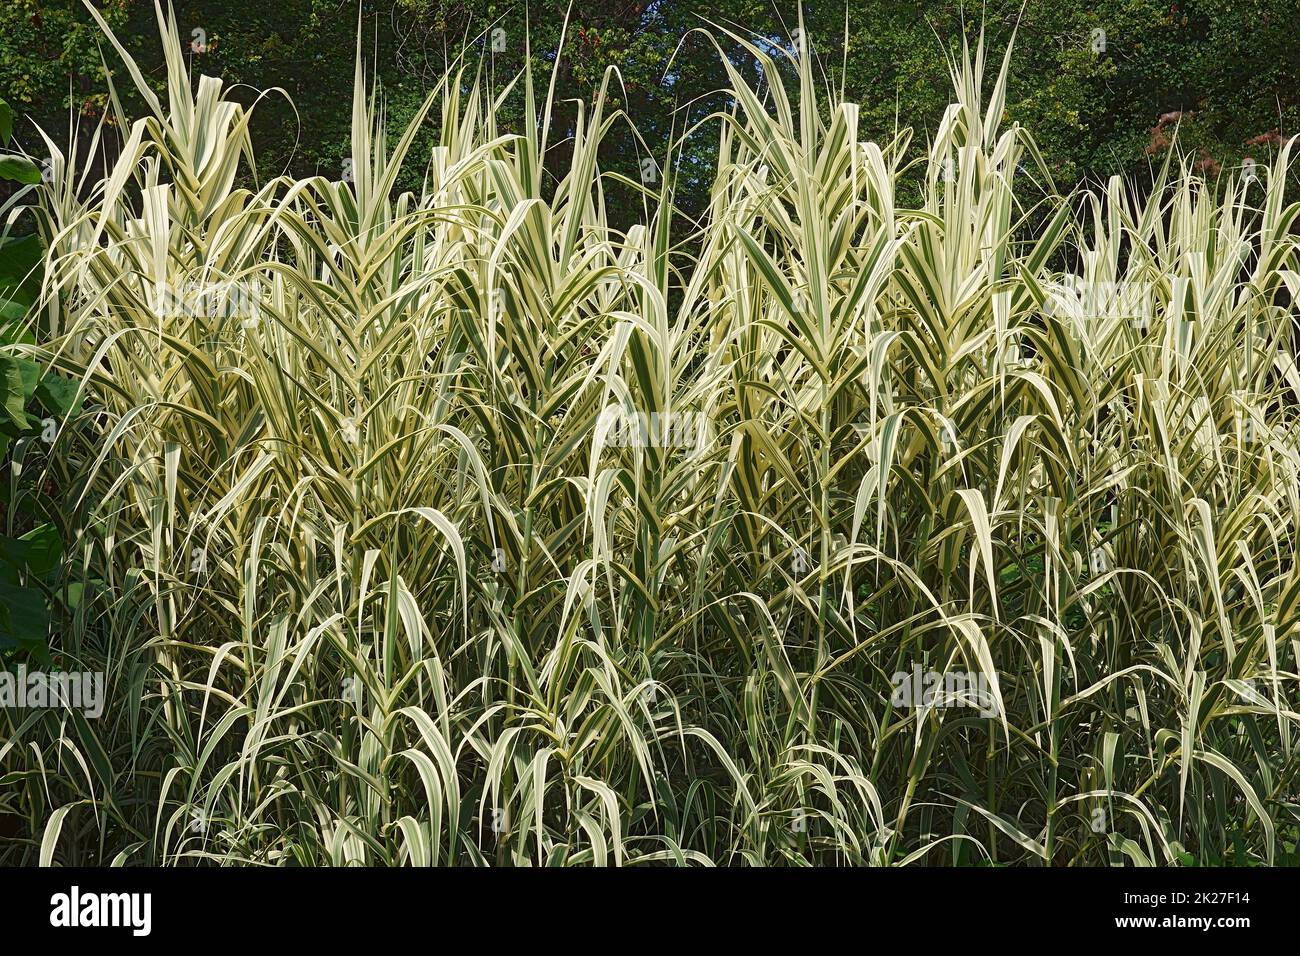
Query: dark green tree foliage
pixel 34 403
pixel 1093 80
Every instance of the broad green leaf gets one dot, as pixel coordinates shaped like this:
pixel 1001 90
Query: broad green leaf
pixel 19 169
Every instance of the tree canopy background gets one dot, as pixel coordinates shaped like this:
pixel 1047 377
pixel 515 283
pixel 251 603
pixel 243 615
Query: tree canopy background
pixel 1102 85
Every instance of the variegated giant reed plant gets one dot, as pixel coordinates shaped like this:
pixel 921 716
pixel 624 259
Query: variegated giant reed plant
pixel 376 575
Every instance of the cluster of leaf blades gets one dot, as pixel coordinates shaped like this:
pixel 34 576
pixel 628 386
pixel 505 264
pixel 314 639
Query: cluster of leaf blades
pixel 373 585
pixel 31 398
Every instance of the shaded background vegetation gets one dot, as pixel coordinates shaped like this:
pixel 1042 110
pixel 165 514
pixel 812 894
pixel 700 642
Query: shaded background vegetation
pixel 1227 72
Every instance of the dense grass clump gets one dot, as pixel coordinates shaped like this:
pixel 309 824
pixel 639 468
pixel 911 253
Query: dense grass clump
pixel 378 572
